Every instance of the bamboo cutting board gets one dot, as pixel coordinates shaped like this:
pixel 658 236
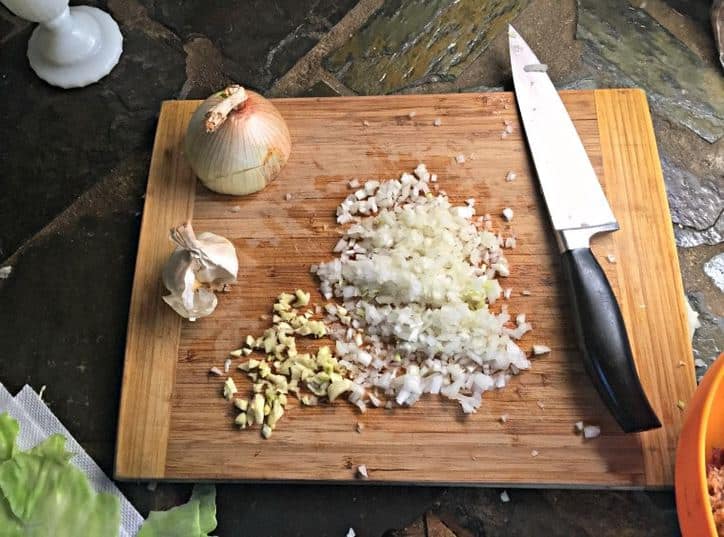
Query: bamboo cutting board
pixel 173 422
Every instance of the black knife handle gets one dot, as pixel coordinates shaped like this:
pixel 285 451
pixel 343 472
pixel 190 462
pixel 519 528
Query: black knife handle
pixel 602 339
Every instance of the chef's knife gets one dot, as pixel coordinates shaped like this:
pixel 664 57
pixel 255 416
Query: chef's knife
pixel 578 209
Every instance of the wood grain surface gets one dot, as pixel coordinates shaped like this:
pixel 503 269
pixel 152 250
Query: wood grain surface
pixel 174 424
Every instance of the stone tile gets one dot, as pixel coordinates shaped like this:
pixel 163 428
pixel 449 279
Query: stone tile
pixel 282 57
pixel 320 89
pixel 624 46
pixel 262 40
pixel 696 204
pixel 688 237
pixel 414 529
pixel 412 42
pixel 708 340
pixel 694 187
pixel 132 15
pixel 695 10
pixel 714 268
pixel 206 69
pixel 573 513
pixel 56 144
pixel 308 70
pixel 7 28
pixel 445 524
pixel 692 32
pixel 10 24
pixel 549 26
pixel 437 528
pixel 706 299
pixel 318 510
pixel 70 291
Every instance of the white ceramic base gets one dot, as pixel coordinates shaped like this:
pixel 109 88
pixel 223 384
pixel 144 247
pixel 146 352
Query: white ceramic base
pixel 78 51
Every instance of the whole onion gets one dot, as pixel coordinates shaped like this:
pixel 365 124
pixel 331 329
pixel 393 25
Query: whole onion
pixel 237 142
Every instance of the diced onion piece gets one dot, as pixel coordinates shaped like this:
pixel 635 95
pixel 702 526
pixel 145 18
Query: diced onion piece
pixel 540 349
pixel 362 472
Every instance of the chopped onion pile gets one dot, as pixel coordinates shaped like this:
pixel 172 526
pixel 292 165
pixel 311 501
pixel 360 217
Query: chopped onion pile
pixel 415 275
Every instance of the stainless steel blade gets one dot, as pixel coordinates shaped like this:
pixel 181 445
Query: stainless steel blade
pixel 570 187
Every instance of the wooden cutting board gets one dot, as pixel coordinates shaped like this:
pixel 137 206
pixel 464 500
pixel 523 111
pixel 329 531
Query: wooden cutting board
pixel 173 422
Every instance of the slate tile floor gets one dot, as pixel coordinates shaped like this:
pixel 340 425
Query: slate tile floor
pixel 73 168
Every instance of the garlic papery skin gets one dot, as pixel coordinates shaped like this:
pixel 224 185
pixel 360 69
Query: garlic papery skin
pixel 198 267
pixel 237 142
pixel 203 304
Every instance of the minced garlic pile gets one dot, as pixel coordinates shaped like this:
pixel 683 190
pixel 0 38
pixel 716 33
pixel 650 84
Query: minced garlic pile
pixel 283 370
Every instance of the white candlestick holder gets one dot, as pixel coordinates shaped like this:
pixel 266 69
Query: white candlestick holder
pixel 72 46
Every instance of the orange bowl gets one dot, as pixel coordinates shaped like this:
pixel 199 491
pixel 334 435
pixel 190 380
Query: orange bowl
pixel 703 430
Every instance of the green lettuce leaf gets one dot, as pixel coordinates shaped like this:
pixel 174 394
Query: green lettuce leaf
pixel 9 429
pixel 206 495
pixel 9 525
pixel 60 501
pixel 193 519
pixel 42 494
pixel 52 447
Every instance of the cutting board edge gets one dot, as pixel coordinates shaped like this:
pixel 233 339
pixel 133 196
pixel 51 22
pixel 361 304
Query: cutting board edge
pixel 621 162
pixel 150 393
pixel 622 486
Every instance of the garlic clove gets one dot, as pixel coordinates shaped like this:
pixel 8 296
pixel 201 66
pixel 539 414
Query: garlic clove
pixel 203 304
pixel 215 256
pixel 199 266
pixel 223 254
pixel 189 290
pixel 175 271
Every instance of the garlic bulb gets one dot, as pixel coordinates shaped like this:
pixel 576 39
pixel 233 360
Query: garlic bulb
pixel 198 267
pixel 237 142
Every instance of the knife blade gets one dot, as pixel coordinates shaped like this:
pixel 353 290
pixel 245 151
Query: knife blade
pixel 578 209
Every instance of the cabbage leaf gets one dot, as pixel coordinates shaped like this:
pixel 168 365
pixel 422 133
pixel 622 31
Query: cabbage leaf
pixel 9 429
pixel 193 519
pixel 42 494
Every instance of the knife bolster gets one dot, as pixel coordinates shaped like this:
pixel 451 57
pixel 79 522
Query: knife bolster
pixel 571 239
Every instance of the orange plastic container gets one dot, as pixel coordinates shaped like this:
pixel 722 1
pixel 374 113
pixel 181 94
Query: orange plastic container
pixel 703 430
